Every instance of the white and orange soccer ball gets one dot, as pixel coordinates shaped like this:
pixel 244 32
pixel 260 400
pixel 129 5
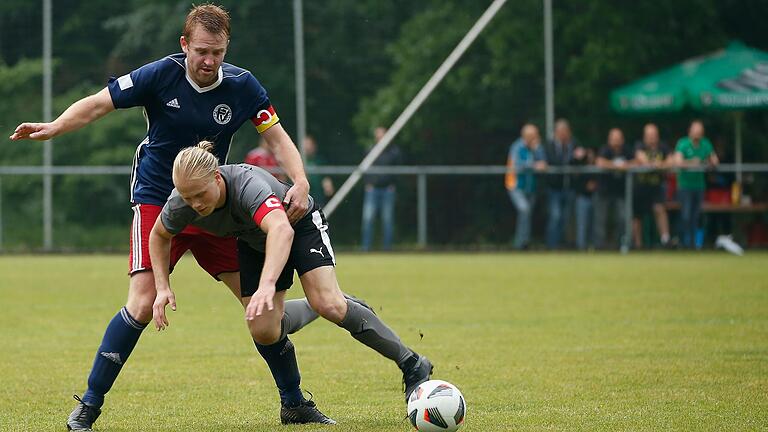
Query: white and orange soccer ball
pixel 436 406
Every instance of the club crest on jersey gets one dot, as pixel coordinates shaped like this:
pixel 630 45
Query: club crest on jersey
pixel 222 114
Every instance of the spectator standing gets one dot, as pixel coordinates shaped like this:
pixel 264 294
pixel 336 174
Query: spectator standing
pixel 320 186
pixel 380 192
pixel 525 155
pixel 650 152
pixel 585 186
pixel 560 152
pixel 693 151
pixel 614 157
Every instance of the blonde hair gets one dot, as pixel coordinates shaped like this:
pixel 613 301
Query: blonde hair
pixel 195 163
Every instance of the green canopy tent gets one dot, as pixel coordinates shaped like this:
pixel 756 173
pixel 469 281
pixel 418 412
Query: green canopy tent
pixel 732 79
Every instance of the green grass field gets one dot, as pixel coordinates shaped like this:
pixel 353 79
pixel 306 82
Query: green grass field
pixel 535 341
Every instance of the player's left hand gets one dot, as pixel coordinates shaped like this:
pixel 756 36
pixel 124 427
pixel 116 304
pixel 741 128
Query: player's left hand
pixel 296 201
pixel 261 302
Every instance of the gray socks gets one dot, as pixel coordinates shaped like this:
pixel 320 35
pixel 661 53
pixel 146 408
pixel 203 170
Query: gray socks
pixel 367 328
pixel 297 314
pixel 359 321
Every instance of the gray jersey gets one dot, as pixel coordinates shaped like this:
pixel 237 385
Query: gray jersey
pixel 248 187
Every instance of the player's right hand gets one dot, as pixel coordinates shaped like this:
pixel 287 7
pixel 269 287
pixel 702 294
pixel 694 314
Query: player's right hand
pixel 34 131
pixel 261 302
pixel 296 201
pixel 163 298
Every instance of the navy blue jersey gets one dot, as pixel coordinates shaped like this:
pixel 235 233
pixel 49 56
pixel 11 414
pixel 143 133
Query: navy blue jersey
pixel 180 114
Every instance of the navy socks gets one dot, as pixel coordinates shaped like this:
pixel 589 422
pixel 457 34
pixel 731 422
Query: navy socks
pixel 281 359
pixel 119 340
pixel 123 333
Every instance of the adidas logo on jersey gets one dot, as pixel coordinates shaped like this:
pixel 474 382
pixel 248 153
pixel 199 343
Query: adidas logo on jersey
pixel 173 103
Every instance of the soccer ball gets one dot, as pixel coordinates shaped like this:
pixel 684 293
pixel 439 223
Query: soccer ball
pixel 436 406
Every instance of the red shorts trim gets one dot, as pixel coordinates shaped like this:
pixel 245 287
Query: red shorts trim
pixel 214 254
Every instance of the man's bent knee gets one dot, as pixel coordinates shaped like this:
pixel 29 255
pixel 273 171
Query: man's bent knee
pixel 141 296
pixel 332 308
pixel 323 293
pixel 262 335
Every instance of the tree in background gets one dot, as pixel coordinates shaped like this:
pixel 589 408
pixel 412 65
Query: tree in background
pixel 365 61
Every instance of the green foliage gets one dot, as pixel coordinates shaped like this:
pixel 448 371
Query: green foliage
pixel 601 45
pixel 347 60
pixel 20 91
pixel 365 61
pixel 499 85
pixel 17 79
pixel 141 35
pixel 462 102
pixel 112 140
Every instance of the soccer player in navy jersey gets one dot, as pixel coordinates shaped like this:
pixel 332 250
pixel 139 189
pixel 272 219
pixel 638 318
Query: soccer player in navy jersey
pixel 245 201
pixel 186 97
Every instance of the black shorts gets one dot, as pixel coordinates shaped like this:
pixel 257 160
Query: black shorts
pixel 645 198
pixel 311 248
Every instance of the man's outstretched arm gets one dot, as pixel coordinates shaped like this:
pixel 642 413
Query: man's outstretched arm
pixel 78 114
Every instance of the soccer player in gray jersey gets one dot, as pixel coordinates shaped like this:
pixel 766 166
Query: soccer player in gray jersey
pixel 246 202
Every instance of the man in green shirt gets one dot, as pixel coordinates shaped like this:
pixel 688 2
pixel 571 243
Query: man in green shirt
pixel 693 151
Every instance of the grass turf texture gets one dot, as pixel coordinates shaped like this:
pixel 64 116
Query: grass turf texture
pixel 535 341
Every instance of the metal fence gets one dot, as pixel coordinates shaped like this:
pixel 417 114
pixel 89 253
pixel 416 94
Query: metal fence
pixel 423 176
